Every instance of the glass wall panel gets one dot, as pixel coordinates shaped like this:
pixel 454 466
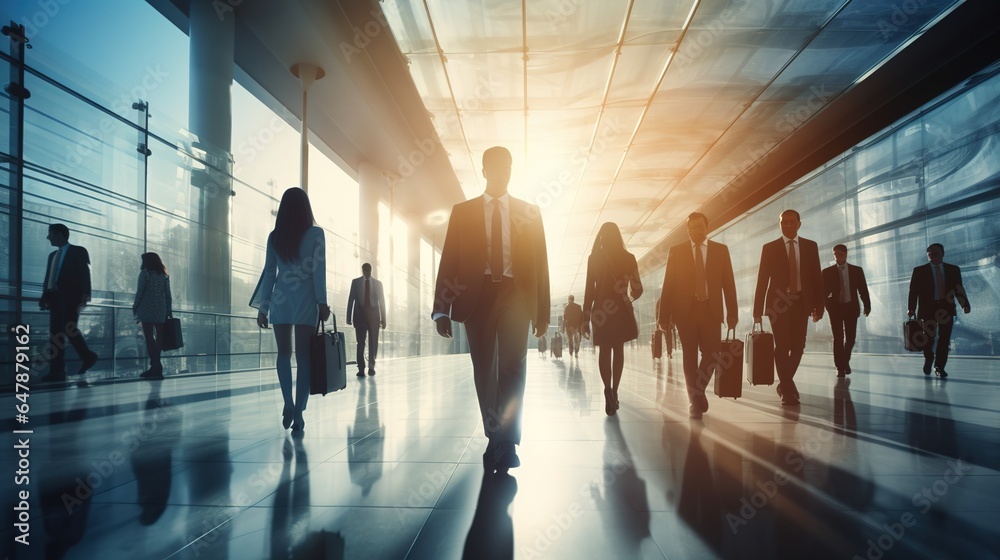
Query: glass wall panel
pixel 931 178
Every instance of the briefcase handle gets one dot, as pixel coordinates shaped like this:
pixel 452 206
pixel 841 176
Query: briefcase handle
pixel 321 324
pixel 731 331
pixel 754 329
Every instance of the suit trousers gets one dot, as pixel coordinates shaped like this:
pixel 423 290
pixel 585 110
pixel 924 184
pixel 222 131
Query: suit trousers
pixel 941 326
pixel 699 332
pixel 498 343
pixel 844 323
pixel 573 334
pixel 366 326
pixel 789 327
pixel 63 316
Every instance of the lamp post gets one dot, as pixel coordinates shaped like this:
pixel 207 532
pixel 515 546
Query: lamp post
pixel 307 74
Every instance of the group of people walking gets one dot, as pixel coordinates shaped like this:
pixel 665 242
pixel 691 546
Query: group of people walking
pixel 494 278
pixel 66 291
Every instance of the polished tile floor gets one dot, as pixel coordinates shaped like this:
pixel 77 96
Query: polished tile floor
pixel 886 464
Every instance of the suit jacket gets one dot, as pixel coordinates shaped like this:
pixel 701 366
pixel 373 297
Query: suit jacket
pixel 770 296
pixel 858 289
pixel 461 272
pixel 678 284
pixel 73 282
pixel 921 297
pixel 573 316
pixel 355 307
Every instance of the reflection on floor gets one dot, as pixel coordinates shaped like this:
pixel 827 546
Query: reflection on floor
pixel 885 464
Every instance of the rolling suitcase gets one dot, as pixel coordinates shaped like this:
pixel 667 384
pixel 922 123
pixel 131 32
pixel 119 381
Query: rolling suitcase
pixel 657 345
pixel 557 346
pixel 913 335
pixel 759 352
pixel 327 360
pixel 729 370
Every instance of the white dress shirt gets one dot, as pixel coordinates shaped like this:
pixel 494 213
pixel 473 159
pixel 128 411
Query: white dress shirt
pixel 704 258
pixel 845 283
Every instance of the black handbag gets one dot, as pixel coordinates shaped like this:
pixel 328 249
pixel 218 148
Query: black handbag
pixel 914 335
pixel 327 360
pixel 173 337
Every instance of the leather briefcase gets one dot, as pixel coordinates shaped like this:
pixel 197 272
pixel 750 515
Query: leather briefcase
pixel 327 360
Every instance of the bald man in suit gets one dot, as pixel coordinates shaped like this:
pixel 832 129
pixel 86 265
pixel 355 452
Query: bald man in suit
pixel 494 278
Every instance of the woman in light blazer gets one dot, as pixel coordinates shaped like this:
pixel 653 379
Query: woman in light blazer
pixel 292 293
pixel 151 308
pixel 612 283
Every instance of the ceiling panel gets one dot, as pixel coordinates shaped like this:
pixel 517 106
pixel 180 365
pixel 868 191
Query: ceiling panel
pixel 566 80
pixel 596 134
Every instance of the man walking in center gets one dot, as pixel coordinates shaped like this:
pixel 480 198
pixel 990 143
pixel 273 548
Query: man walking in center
pixel 572 323
pixel 366 311
pixel 494 278
pixel 789 291
pixel 934 287
pixel 66 290
pixel 699 275
pixel 843 285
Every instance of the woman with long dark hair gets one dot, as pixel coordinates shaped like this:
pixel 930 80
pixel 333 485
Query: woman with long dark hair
pixel 151 308
pixel 292 292
pixel 612 284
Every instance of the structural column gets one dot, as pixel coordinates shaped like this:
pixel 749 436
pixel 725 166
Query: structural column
pixel 210 120
pixel 371 188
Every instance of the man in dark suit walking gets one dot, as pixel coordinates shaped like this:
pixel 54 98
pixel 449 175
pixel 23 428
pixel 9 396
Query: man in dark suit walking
pixel 934 287
pixel 366 311
pixel 843 285
pixel 66 290
pixel 494 278
pixel 699 275
pixel 789 291
pixel 572 323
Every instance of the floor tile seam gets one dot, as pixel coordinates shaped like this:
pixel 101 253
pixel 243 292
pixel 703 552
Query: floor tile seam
pixel 420 530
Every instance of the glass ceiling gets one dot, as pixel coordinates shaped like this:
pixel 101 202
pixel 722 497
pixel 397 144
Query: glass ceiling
pixel 634 111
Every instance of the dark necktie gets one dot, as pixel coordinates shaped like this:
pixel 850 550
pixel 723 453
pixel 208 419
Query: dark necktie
pixel 368 292
pixel 496 244
pixel 938 282
pixel 793 268
pixel 700 289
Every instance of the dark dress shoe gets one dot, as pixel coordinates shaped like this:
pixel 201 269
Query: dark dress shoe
pixel 286 416
pixel 88 363
pixel 490 456
pixel 83 383
pixel 361 373
pixel 927 366
pixel 847 370
pixel 790 401
pixel 371 371
pixel 940 372
pixel 507 458
pixel 841 373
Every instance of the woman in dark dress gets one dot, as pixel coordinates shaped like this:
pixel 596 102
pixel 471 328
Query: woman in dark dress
pixel 612 283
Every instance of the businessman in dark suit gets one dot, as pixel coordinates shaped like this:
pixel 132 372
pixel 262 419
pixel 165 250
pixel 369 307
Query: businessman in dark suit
pixel 494 278
pixel 699 275
pixel 934 287
pixel 789 291
pixel 65 291
pixel 843 286
pixel 366 311
pixel 572 324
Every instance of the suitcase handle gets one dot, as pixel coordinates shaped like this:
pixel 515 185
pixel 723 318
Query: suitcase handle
pixel 321 324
